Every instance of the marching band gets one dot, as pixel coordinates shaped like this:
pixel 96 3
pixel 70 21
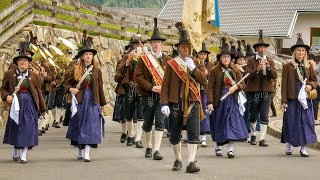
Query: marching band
pixel 229 98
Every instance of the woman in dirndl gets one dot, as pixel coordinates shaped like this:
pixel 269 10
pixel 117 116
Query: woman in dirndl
pixel 298 119
pixel 86 123
pixel 20 88
pixel 227 123
pixel 203 57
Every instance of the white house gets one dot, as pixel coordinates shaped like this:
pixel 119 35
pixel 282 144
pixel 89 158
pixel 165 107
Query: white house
pixel 280 20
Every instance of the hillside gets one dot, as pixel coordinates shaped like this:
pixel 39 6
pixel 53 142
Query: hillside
pixel 129 3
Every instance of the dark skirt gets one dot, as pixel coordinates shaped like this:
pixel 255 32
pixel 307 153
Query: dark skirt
pixel 26 133
pixel 227 124
pixel 205 123
pixel 118 109
pixel 298 124
pixel 85 127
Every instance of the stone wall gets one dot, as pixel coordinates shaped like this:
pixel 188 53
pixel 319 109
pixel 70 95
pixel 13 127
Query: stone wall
pixel 109 52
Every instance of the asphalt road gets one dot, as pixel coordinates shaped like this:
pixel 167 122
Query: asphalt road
pixel 54 158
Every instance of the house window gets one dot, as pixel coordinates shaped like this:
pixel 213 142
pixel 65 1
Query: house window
pixel 315 37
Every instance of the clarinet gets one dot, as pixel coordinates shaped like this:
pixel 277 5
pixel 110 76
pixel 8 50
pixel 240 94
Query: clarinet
pixel 84 76
pixel 264 70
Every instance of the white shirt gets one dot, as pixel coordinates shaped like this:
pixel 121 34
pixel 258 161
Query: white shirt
pixel 159 55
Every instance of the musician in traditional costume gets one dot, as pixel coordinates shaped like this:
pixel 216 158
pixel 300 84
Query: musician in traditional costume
pixel 20 88
pixel 203 57
pixel 298 85
pixel 85 85
pixel 149 77
pixel 226 102
pixel 132 98
pixel 181 101
pixel 249 54
pixel 119 107
pixel 259 88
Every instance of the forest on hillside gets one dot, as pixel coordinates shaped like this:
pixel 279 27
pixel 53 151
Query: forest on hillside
pixel 129 3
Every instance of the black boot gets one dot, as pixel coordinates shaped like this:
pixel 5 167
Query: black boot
pixel 148 153
pixel 129 141
pixel 177 165
pixel 43 130
pixel 192 168
pixel 54 123
pixel 134 140
pixel 253 140
pixel 157 156
pixel 263 143
pixel 123 138
pixel 139 144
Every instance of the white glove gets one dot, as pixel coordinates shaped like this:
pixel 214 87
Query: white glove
pixel 165 110
pixel 190 64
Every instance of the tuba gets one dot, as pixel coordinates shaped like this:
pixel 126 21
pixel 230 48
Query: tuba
pixel 65 45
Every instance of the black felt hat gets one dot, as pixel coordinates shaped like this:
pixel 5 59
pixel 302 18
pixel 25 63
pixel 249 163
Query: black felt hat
pixel 233 49
pixel 239 51
pixel 225 49
pixel 184 37
pixel 137 37
pixel 87 46
pixel 156 35
pixel 300 43
pixel 204 49
pixel 24 47
pixel 260 41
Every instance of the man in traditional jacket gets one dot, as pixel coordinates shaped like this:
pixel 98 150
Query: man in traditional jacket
pixel 149 76
pixel 260 88
pixel 180 99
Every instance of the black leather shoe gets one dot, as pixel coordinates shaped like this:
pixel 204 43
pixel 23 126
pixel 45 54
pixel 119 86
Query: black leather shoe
pixel 218 152
pixel 23 161
pixel 123 138
pixel 303 155
pixel 289 153
pixel 87 160
pixel 157 156
pixel 148 153
pixel 47 127
pixel 177 165
pixel 253 140
pixel 129 141
pixel 15 158
pixel 263 143
pixel 139 144
pixel 134 140
pixel 39 133
pixel 192 168
pixel 230 154
pixel 80 158
pixel 56 125
pixel 43 130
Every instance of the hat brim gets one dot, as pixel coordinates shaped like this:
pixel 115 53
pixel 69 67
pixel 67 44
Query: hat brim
pixel 135 41
pixel 219 55
pixel 183 42
pixel 15 59
pixel 94 52
pixel 260 44
pixel 205 52
pixel 156 39
pixel 295 46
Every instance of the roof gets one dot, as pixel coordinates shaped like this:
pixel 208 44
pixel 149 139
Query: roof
pixel 153 12
pixel 244 17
